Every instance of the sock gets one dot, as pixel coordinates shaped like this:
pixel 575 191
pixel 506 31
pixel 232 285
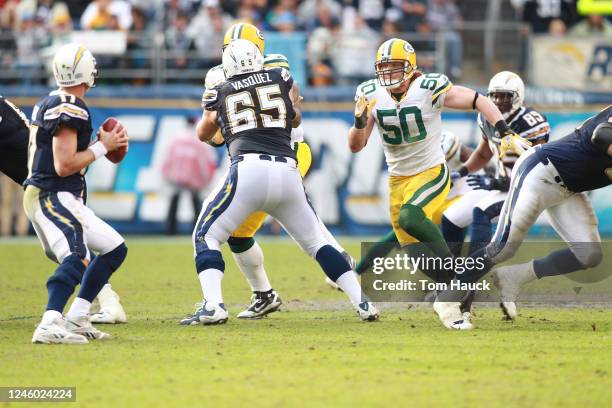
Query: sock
pixel 413 220
pixel 99 271
pixel 481 230
pixel 251 264
pixel 332 262
pixel 557 263
pixel 62 283
pixel 210 279
pixel 80 307
pixel 453 235
pixel 49 316
pixel 350 285
pixel 378 250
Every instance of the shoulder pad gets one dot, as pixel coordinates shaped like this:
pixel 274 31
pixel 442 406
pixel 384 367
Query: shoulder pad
pixel 215 76
pixel 366 88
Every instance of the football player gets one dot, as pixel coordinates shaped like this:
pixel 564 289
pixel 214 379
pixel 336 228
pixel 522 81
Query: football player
pixel 14 137
pixel 54 199
pixel 247 253
pixel 256 110
pixel 406 105
pixel 481 206
pixel 554 178
pixel 455 153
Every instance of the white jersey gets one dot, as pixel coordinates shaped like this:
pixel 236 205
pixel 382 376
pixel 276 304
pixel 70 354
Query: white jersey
pixel 216 76
pixel 411 128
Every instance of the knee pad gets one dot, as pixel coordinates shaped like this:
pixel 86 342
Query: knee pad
pixel 588 254
pixel 69 273
pixel 238 244
pixel 410 216
pixel 115 258
pixel 209 259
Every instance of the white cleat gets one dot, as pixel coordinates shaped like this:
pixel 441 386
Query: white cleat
pixel 56 333
pixel 509 280
pixel 106 307
pixel 367 312
pixel 206 313
pixel 450 315
pixel 82 326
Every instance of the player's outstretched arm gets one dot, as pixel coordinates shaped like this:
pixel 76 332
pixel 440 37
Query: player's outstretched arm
pixel 207 126
pixel 67 161
pixel 460 97
pixel 364 123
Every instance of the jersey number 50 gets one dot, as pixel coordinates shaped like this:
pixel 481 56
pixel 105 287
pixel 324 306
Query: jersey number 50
pixel 246 117
pixel 397 134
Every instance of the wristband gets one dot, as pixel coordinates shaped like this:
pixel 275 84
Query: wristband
pixel 463 171
pixel 502 127
pixel 476 95
pixel 98 149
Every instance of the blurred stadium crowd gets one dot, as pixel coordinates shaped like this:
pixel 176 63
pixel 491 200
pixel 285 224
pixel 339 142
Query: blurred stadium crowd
pixel 187 34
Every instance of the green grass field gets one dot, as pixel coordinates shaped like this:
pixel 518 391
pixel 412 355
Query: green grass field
pixel 314 353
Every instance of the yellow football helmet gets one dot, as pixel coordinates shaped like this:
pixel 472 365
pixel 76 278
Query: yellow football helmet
pixel 244 31
pixel 394 50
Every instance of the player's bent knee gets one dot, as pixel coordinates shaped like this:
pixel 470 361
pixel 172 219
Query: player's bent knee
pixel 410 217
pixel 239 244
pixel 589 254
pixel 115 257
pixel 209 259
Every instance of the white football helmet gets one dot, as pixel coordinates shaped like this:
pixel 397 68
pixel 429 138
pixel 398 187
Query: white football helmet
pixel 241 57
pixel 73 65
pixel 509 83
pixel 451 146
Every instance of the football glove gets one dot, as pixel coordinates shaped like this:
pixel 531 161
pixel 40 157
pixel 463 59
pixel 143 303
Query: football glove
pixel 482 182
pixel 512 141
pixel 362 111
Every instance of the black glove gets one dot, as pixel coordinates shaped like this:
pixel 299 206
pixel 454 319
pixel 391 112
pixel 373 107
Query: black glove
pixel 482 182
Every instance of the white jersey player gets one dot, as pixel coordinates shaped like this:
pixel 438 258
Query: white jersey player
pixel 406 106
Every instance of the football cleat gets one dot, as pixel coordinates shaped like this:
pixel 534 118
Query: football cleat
pixel 509 280
pixel 367 312
pixel 56 333
pixel 262 303
pixel 106 307
pixel 82 326
pixel 206 313
pixel 450 315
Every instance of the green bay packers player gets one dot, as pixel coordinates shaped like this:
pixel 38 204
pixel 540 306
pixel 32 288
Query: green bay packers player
pixel 406 106
pixel 246 251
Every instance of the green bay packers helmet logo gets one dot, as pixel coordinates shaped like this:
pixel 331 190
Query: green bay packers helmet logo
pixel 408 48
pixel 260 35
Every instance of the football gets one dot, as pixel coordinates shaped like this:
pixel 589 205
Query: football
pixel 117 155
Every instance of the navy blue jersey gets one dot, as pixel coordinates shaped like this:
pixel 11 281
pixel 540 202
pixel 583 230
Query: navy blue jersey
pixel 527 122
pixel 51 112
pixel 581 165
pixel 255 112
pixel 14 131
